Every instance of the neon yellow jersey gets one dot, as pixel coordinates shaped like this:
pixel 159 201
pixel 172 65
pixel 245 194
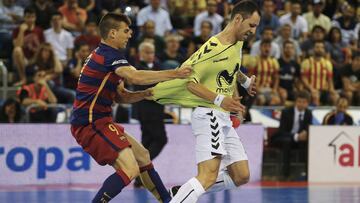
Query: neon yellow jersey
pixel 214 65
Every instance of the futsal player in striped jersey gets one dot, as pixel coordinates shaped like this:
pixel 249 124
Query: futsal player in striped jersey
pixel 100 84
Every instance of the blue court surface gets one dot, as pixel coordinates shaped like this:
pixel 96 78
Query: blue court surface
pixel 256 193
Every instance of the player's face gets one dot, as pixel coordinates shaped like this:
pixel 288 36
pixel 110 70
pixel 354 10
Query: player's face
pixel 289 50
pixel 30 18
pixel 246 27
pixel 122 35
pixel 319 49
pixel 265 50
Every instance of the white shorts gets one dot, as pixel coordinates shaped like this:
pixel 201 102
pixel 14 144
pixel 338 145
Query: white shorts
pixel 215 136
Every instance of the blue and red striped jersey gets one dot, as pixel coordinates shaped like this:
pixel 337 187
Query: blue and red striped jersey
pixel 97 85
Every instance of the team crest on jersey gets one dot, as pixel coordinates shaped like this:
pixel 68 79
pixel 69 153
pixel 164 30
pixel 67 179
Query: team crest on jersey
pixel 225 77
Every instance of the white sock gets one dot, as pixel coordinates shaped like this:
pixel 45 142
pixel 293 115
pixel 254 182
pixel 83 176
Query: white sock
pixel 223 182
pixel 189 192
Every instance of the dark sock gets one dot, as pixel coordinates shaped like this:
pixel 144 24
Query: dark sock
pixel 111 187
pixel 152 181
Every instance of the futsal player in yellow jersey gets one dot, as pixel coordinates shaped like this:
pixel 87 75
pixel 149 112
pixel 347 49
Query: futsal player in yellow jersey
pixel 212 91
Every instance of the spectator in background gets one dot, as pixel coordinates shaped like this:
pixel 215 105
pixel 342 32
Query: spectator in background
pixel 37 92
pixel 348 25
pixel 148 35
pixel 209 15
pixel 317 76
pixel 294 130
pixel 339 116
pixel 88 5
pixel 43 10
pixel 74 16
pixel 26 39
pixel 157 14
pixel 197 41
pixel 171 58
pixel 73 69
pixel 315 17
pixel 339 53
pixel 289 72
pixel 90 36
pixel 150 113
pixel 45 60
pixel 299 27
pixel 105 6
pixel 266 35
pixel 10 16
pixel 10 111
pixel 266 68
pixel 285 35
pixel 61 40
pixel 268 18
pixel 318 33
pixel 350 76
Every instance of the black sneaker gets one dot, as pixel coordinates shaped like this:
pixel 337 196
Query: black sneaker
pixel 174 190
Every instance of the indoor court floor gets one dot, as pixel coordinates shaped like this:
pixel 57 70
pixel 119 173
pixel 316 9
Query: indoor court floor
pixel 265 192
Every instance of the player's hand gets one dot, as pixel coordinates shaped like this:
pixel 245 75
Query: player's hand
pixel 252 88
pixel 183 72
pixel 232 104
pixel 148 94
pixel 23 27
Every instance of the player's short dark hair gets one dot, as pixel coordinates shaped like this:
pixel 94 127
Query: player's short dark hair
pixel 267 28
pixel 265 41
pixel 318 27
pixel 303 95
pixel 111 21
pixel 245 8
pixel 56 13
pixel 287 42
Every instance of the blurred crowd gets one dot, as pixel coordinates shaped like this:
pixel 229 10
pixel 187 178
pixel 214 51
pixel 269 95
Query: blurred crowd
pixel 310 45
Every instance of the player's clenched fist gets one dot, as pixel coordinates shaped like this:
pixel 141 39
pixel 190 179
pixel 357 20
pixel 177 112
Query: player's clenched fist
pixel 184 71
pixel 232 104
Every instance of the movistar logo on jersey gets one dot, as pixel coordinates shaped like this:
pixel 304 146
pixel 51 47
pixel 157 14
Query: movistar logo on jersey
pixel 224 77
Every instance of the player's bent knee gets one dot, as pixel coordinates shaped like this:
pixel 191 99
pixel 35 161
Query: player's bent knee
pixel 241 178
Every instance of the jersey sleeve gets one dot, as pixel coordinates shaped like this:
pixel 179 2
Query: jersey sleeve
pixel 304 70
pixel 116 62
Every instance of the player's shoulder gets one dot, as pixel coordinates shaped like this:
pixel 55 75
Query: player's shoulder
pixel 111 56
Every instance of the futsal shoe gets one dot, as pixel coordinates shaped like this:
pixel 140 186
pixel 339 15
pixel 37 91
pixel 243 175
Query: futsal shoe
pixel 174 190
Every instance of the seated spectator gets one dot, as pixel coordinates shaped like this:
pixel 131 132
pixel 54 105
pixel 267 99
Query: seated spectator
pixel 299 27
pixel 87 5
pixel 26 39
pixel 38 93
pixel 315 17
pixel 350 76
pixel 148 35
pixel 348 25
pixel 317 76
pixel 266 68
pixel 197 41
pixel 10 16
pixel 268 18
pixel 157 14
pixel 289 73
pixel 318 33
pixel 171 58
pixel 339 116
pixel 294 130
pixel 43 10
pixel 45 60
pixel 266 35
pixel 74 16
pixel 61 40
pixel 209 15
pixel 90 36
pixel 285 35
pixel 10 111
pixel 73 69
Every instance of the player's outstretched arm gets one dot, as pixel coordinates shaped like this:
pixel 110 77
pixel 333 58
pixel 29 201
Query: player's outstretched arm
pixel 231 104
pixel 144 77
pixel 125 96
